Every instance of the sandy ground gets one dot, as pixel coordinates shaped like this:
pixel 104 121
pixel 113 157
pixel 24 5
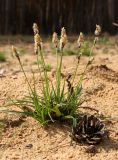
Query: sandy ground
pixel 27 140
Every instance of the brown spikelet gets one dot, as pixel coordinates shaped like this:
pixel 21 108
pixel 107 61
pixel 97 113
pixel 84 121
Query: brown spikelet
pixel 35 28
pixel 97 30
pixel 37 42
pixel 80 39
pixel 78 58
pixel 14 50
pixel 55 39
pixel 63 39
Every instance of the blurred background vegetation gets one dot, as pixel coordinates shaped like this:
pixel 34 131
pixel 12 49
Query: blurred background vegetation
pixel 17 16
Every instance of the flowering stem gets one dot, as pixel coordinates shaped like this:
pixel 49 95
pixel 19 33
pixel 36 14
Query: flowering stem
pixel 25 74
pixel 75 73
pixel 59 76
pixel 57 69
pixel 94 43
pixel 45 73
pixel 40 70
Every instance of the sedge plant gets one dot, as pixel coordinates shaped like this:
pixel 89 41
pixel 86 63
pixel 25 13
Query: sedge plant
pixel 57 101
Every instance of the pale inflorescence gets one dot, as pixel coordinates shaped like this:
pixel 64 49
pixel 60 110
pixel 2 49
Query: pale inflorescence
pixel 63 39
pixel 14 50
pixel 37 38
pixel 56 101
pixel 37 42
pixel 63 31
pixel 80 39
pixel 35 28
pixel 55 39
pixel 98 30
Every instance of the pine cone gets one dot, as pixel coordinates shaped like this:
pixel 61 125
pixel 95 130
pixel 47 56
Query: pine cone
pixel 89 130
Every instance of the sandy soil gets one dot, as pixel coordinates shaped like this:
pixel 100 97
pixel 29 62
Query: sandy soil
pixel 26 139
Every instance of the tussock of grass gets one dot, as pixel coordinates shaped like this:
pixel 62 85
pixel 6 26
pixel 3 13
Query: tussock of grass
pixel 59 100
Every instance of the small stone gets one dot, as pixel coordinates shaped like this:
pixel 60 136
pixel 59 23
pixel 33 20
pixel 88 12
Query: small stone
pixel 14 77
pixel 92 150
pixel 29 146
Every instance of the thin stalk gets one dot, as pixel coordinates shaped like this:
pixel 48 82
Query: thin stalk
pixel 75 73
pixel 40 71
pixel 79 83
pixel 62 92
pixel 59 76
pixel 82 76
pixel 38 65
pixel 57 57
pixel 57 69
pixel 45 73
pixel 25 74
pixel 94 43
